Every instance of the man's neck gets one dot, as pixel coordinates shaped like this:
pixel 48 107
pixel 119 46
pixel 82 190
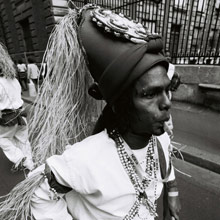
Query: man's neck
pixel 136 141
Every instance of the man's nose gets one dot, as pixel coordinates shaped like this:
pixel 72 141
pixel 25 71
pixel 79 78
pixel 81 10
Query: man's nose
pixel 165 102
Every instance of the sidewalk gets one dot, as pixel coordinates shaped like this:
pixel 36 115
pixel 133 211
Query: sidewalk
pixel 26 98
pixel 196 134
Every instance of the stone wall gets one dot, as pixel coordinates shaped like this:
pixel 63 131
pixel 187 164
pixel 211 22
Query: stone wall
pixel 191 90
pixel 21 20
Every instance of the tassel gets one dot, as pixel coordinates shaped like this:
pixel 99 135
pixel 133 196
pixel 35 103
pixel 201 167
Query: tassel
pixel 61 113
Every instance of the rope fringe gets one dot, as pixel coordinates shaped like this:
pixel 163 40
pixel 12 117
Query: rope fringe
pixel 176 151
pixel 60 115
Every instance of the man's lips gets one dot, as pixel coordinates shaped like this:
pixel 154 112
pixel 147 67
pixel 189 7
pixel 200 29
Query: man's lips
pixel 164 119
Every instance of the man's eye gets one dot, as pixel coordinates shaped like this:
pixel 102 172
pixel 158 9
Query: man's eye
pixel 149 95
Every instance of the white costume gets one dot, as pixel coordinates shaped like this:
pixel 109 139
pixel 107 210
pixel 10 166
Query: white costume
pixel 101 186
pixel 21 67
pixel 13 139
pixel 33 71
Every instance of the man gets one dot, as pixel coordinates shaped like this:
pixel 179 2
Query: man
pixel 22 74
pixel 33 72
pixel 13 128
pixel 119 171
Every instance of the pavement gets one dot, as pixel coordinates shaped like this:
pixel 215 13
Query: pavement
pixel 196 134
pixel 27 98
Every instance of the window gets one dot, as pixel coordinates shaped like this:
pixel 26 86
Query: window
pixel 197 36
pixel 217 4
pixel 27 34
pixel 174 38
pixel 180 3
pixel 151 25
pixel 201 5
pixel 213 40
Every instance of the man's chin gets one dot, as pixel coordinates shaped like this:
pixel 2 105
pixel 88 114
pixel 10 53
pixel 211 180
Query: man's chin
pixel 158 132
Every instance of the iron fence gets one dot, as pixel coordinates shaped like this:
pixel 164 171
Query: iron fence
pixel 190 28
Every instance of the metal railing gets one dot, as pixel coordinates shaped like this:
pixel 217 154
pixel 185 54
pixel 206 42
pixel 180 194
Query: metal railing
pixel 190 28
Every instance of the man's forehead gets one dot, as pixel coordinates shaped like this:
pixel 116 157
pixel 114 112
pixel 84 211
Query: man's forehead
pixel 156 77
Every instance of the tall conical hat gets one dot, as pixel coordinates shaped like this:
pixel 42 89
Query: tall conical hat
pixel 118 50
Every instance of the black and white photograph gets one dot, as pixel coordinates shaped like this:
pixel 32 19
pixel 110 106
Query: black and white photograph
pixel 109 109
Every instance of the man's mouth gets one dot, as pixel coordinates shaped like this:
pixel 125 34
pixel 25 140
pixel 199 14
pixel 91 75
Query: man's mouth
pixel 164 119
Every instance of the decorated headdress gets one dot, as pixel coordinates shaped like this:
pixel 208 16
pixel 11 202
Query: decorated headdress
pixel 115 51
pixel 118 50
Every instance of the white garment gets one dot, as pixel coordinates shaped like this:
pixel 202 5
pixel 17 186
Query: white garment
pixel 171 71
pixel 43 69
pixel 21 67
pixel 10 94
pixel 33 71
pixel 15 144
pixel 14 139
pixel 101 186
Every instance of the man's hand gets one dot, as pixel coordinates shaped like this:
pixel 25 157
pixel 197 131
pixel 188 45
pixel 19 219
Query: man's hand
pixel 174 207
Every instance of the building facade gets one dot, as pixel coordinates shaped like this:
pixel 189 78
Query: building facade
pixel 190 28
pixel 25 26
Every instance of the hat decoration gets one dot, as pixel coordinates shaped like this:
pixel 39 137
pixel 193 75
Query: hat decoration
pixel 120 25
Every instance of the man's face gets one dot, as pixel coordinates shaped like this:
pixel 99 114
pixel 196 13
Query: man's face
pixel 151 102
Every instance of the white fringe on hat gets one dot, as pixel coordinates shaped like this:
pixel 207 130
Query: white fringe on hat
pixel 61 109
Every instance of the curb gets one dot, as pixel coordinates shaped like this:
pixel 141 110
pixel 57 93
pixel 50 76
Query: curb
pixel 197 157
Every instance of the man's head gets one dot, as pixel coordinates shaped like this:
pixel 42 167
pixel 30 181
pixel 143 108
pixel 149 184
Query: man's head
pixel 118 50
pixel 151 102
pixel 144 107
pixel 124 58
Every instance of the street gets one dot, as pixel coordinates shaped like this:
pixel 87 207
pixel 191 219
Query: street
pixel 197 127
pixel 8 179
pixel 199 194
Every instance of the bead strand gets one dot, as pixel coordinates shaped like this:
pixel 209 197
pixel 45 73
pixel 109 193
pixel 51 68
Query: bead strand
pixel 53 194
pixel 139 186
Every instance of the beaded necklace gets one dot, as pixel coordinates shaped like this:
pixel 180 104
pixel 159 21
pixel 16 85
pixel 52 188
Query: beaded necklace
pixel 140 184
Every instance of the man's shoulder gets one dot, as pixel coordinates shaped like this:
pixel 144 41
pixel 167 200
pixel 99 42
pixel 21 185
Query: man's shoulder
pixel 92 144
pixel 91 151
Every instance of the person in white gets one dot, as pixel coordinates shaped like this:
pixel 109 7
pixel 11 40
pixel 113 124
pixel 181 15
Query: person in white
pixel 22 74
pixel 117 173
pixel 174 77
pixel 33 72
pixel 13 128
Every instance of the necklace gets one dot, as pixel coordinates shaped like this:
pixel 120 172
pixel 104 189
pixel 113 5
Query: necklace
pixel 131 166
